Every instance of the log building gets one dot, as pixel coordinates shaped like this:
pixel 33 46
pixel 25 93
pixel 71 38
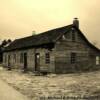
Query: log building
pixel 60 50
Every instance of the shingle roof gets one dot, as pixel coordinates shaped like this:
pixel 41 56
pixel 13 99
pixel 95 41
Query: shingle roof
pixel 43 38
pixel 36 40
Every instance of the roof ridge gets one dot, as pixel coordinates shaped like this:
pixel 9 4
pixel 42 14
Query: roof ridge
pixel 39 39
pixel 44 32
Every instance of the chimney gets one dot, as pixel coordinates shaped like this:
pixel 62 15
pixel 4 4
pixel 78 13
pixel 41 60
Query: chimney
pixel 33 32
pixel 76 22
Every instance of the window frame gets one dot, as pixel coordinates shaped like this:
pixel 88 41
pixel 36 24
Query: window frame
pixel 73 37
pixel 97 60
pixel 73 58
pixel 47 58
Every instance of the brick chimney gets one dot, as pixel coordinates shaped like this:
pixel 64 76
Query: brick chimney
pixel 76 22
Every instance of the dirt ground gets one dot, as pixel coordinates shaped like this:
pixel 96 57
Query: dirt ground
pixel 79 85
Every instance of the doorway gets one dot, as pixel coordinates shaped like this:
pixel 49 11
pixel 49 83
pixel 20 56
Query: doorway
pixel 25 61
pixel 37 61
pixel 9 60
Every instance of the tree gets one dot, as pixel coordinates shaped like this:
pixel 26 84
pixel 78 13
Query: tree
pixel 9 41
pixel 2 47
pixel 4 42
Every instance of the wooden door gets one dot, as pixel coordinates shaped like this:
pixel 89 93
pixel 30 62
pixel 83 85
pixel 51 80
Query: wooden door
pixel 37 61
pixel 9 65
pixel 8 60
pixel 25 61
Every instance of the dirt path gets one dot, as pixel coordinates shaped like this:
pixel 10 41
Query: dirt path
pixel 8 93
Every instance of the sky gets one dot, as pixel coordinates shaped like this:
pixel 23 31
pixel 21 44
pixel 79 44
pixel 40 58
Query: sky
pixel 18 18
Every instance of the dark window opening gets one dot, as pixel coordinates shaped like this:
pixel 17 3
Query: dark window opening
pixel 73 58
pixel 73 30
pixel 47 55
pixel 73 37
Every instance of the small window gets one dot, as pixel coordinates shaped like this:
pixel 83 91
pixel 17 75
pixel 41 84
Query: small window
pixel 21 58
pixel 73 37
pixel 73 58
pixel 97 60
pixel 63 37
pixel 47 56
pixel 73 30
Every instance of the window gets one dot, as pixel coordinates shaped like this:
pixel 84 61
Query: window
pixel 21 58
pixel 73 30
pixel 73 37
pixel 73 58
pixel 97 60
pixel 47 60
pixel 63 37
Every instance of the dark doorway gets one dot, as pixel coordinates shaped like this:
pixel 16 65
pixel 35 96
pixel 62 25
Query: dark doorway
pixel 9 60
pixel 9 65
pixel 37 61
pixel 1 57
pixel 25 61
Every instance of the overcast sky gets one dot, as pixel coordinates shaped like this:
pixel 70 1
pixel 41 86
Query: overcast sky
pixel 18 18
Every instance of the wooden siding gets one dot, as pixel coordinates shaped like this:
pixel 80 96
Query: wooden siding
pixel 60 56
pixel 64 47
pixel 30 60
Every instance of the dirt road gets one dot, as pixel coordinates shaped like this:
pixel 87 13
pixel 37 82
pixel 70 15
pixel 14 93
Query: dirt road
pixel 8 93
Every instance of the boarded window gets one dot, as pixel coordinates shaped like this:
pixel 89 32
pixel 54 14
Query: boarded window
pixel 73 58
pixel 97 60
pixel 21 58
pixel 47 58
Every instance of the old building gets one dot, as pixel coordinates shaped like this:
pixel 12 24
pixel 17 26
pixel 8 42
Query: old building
pixel 60 50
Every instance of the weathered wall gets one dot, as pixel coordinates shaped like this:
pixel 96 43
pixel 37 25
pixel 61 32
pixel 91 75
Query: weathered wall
pixel 60 56
pixel 30 59
pixel 65 46
pixel 17 63
pixel 43 66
